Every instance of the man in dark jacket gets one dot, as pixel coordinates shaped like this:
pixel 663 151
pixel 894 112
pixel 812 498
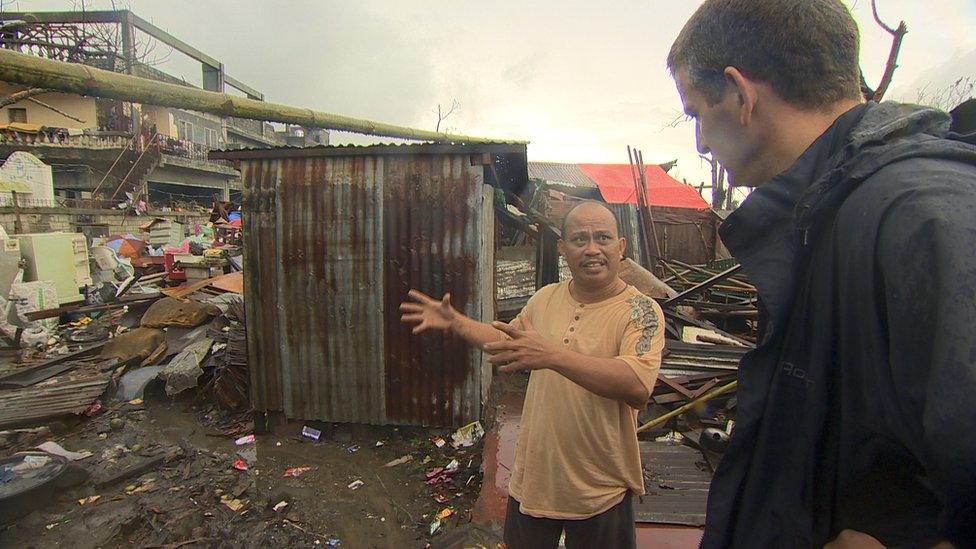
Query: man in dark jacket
pixel 856 417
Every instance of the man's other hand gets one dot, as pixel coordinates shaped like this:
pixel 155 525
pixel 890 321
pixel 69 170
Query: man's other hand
pixel 426 312
pixel 852 539
pixel 526 350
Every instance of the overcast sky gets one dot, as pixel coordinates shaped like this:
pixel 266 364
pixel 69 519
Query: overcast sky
pixel 579 80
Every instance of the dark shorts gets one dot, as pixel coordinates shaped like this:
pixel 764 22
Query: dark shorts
pixel 611 529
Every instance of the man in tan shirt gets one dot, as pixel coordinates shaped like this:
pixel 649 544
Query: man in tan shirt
pixel 593 345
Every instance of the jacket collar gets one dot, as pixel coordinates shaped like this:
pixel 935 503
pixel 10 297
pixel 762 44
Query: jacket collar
pixel 759 234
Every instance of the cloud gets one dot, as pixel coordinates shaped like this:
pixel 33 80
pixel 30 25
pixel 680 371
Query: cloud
pixel 581 80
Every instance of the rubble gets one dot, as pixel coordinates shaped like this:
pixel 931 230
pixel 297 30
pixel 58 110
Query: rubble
pixel 184 370
pixel 182 313
pixel 139 343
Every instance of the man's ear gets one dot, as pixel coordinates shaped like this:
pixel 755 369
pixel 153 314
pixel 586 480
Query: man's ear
pixel 746 91
pixel 623 247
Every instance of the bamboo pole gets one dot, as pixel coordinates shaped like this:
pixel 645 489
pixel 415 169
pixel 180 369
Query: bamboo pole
pixel 19 68
pixel 685 407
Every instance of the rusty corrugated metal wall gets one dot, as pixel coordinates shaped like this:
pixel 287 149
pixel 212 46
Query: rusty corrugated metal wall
pixel 333 243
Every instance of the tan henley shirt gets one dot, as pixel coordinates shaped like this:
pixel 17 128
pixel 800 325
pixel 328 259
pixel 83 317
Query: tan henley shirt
pixel 577 453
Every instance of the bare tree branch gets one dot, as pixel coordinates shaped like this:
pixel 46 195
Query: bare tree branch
pixel 897 36
pixel 21 95
pixel 679 119
pixel 442 117
pixel 877 19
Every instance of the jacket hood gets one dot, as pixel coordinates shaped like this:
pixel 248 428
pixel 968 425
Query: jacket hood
pixel 887 133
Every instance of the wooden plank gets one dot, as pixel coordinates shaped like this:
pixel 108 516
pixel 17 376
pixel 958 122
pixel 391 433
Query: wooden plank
pixel 676 386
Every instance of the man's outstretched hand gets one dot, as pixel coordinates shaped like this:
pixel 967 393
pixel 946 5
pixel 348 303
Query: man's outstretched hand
pixel 426 312
pixel 526 350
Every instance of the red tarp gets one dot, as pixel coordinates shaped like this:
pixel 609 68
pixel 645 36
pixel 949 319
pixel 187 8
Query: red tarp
pixel 616 184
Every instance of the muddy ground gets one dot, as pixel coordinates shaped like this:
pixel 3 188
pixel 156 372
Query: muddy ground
pixel 192 496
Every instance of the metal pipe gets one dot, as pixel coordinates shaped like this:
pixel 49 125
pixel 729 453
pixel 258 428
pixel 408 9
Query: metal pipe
pixel 19 68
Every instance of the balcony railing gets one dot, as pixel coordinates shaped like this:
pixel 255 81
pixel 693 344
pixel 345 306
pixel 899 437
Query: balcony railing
pixel 54 137
pixel 187 149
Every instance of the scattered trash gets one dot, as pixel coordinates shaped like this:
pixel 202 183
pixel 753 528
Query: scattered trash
pixel 52 447
pixel 147 485
pixel 310 433
pixel 452 467
pixel 295 471
pixel 353 449
pixel 234 504
pixel 440 498
pixel 399 461
pixel 354 485
pixel 467 435
pixel 427 459
pixel 438 441
pixel 249 439
pixel 249 453
pixel 379 443
pixel 89 499
pixel 435 526
pixel 116 423
pixel 280 505
pixel 136 402
pixel 333 542
pixel 444 513
pixel 674 438
pixel 240 465
pixel 438 475
pixel 93 409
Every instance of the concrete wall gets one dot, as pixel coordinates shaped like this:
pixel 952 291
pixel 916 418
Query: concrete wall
pixel 39 220
pixel 75 105
pixel 200 121
pixel 162 118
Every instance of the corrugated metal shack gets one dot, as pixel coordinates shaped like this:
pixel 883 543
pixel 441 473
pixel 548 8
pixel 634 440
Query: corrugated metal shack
pixel 334 237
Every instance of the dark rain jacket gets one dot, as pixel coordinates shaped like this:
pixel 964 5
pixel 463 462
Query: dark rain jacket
pixel 857 409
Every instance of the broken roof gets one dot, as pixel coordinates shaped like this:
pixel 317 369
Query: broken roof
pixel 616 183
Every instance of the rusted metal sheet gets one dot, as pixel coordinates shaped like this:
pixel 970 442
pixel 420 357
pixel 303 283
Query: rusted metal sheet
pixel 333 243
pixel 432 242
pixel 67 394
pixel 260 279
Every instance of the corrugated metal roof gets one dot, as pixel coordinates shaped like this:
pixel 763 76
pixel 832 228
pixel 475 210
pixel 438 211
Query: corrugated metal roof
pixel 69 393
pixel 563 173
pixel 616 182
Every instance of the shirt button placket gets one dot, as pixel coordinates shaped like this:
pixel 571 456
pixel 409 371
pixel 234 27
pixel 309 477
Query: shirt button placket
pixel 572 326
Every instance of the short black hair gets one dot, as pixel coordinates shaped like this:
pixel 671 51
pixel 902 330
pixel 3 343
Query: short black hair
pixel 594 202
pixel 807 50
